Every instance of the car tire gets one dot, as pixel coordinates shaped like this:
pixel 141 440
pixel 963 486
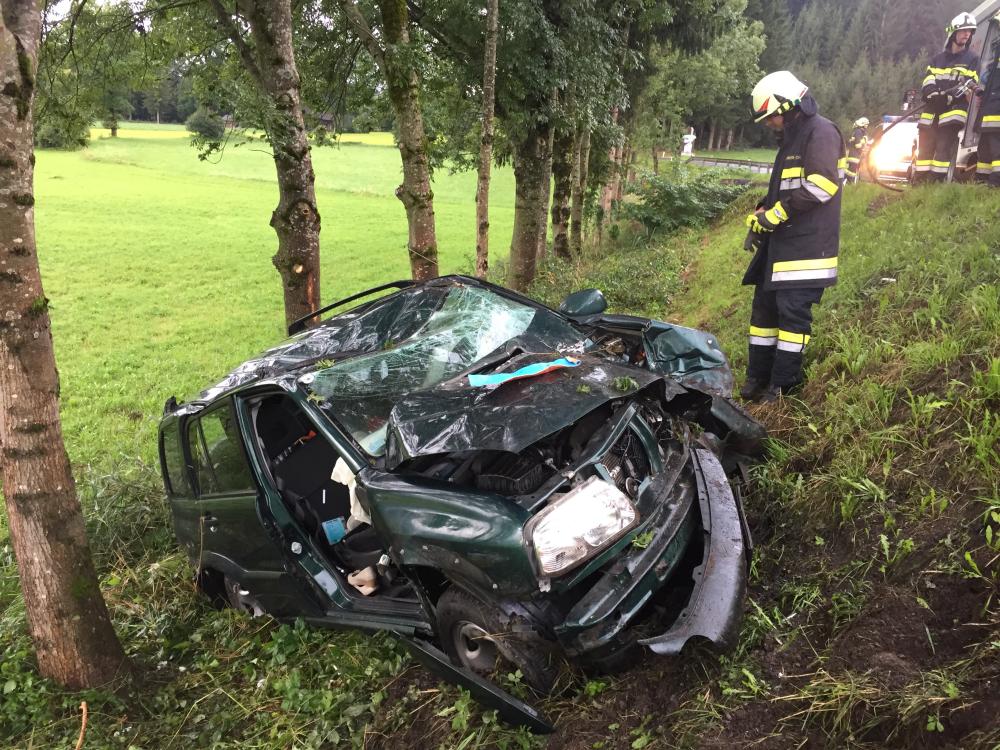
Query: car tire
pixel 482 638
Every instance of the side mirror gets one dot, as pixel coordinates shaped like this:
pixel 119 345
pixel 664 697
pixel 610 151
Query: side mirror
pixel 583 303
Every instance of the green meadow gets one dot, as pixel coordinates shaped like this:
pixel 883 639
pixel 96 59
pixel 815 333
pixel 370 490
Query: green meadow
pixel 158 264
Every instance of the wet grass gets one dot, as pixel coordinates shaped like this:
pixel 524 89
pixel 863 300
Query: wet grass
pixel 873 618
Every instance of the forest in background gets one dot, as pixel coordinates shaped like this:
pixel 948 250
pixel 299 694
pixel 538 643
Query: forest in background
pixel 858 56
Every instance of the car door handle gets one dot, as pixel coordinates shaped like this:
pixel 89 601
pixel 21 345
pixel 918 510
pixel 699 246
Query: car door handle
pixel 211 521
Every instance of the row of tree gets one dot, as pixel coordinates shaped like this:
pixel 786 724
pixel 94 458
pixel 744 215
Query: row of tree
pixel 552 86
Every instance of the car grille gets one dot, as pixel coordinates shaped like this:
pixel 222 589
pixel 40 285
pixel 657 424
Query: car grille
pixel 627 463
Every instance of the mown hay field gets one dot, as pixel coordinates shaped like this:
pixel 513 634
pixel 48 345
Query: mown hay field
pixel 158 264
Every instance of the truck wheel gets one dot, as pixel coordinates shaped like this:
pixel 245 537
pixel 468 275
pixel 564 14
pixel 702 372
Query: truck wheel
pixel 483 639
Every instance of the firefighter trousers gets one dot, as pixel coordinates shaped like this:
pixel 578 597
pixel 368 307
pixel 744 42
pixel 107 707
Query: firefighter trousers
pixel 853 164
pixel 780 325
pixel 936 148
pixel 988 161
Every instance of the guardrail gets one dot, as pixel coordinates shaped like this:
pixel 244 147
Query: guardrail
pixel 757 167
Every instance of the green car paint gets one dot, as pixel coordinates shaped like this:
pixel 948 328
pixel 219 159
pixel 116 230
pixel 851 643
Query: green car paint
pixel 455 534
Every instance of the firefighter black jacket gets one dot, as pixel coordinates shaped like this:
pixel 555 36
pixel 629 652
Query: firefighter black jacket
pixel 946 70
pixel 858 139
pixel 990 108
pixel 807 178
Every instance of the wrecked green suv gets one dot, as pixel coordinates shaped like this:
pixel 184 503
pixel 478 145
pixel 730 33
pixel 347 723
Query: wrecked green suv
pixel 492 481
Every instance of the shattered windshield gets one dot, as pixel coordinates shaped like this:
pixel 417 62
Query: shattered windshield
pixel 468 325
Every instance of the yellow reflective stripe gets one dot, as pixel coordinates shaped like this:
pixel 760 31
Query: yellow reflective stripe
pixel 755 331
pixel 842 162
pixel 793 338
pixel 792 172
pixel 936 163
pixel 812 264
pixel 823 184
pixel 991 118
pixel 960 70
pixel 953 113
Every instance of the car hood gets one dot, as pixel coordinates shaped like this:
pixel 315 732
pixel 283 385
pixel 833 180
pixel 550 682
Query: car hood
pixel 510 417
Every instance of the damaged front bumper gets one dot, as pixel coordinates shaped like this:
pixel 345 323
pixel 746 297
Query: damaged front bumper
pixel 602 621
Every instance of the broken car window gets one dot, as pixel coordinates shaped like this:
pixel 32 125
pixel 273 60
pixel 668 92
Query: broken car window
pixel 469 324
pixel 218 457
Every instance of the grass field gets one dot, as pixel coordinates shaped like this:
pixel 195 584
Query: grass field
pixel 158 264
pixel 746 154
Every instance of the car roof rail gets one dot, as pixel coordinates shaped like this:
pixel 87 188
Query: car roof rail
pixel 300 325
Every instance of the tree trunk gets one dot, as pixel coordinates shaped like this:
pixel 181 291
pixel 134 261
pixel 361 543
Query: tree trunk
pixel 486 144
pixel 610 189
pixel 579 192
pixel 564 172
pixel 114 130
pixel 74 641
pixel 656 160
pixel 404 92
pixel 390 49
pixel 544 195
pixel 628 165
pixel 711 135
pixel 271 64
pixel 729 139
pixel 528 170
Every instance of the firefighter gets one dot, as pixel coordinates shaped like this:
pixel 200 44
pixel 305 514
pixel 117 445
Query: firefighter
pixel 856 146
pixel 988 163
pixel 946 111
pixel 795 233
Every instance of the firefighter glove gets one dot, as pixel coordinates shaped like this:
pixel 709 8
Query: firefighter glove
pixel 769 220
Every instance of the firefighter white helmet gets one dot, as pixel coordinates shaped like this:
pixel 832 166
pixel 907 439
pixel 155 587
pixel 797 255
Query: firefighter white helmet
pixel 861 122
pixel 960 22
pixel 777 93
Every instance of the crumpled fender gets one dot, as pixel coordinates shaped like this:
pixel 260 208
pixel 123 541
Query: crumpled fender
pixel 716 605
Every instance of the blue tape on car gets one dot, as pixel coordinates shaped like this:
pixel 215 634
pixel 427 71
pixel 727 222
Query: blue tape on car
pixel 334 530
pixel 528 371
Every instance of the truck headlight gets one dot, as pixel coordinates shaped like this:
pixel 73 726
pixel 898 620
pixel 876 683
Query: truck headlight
pixel 584 521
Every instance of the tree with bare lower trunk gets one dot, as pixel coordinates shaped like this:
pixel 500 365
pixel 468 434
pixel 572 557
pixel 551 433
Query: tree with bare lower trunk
pixel 390 46
pixel 529 169
pixel 267 55
pixel 581 159
pixel 486 144
pixel 563 173
pixel 68 620
pixel 544 195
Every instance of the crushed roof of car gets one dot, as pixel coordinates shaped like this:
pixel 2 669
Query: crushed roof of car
pixel 393 369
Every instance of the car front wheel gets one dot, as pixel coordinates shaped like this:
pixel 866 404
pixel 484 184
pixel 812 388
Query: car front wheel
pixel 484 639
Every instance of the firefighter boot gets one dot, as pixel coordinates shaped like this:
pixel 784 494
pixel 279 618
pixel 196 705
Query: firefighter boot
pixel 753 389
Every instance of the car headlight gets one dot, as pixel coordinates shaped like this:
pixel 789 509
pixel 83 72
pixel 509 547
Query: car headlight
pixel 584 521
